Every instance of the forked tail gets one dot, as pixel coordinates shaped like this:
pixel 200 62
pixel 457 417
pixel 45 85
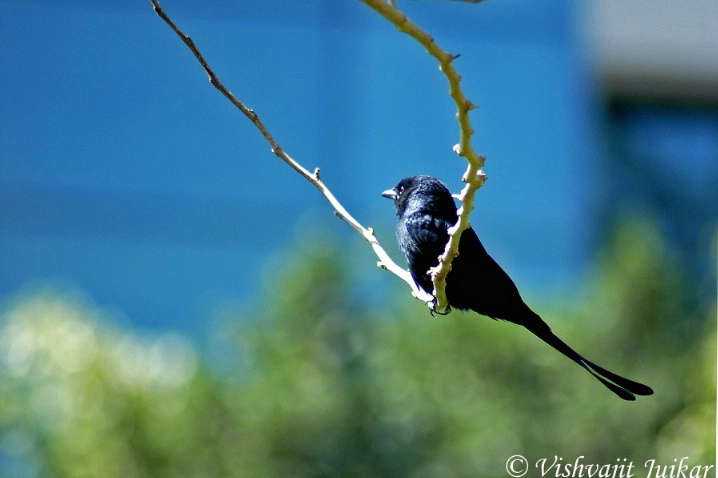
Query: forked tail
pixel 621 386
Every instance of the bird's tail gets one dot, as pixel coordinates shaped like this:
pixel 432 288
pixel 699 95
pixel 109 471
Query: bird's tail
pixel 621 386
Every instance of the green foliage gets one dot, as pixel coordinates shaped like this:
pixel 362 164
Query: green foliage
pixel 321 387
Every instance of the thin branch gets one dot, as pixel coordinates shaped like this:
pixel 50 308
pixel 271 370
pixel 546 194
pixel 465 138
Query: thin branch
pixel 474 177
pixel 385 261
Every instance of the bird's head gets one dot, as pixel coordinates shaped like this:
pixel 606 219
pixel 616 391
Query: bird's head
pixel 421 194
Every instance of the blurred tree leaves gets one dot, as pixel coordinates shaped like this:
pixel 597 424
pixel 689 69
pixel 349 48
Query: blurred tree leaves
pixel 319 386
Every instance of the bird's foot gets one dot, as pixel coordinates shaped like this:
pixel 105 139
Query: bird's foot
pixel 435 311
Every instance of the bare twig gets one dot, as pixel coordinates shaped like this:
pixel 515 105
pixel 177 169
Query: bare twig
pixel 474 177
pixel 385 261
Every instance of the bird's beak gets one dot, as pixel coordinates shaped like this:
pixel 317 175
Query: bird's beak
pixel 389 193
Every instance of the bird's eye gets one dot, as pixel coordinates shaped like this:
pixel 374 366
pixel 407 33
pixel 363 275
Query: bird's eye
pixel 401 190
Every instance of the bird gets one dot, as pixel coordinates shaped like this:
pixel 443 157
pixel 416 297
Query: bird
pixel 426 210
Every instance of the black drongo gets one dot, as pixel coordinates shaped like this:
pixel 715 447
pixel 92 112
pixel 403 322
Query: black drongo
pixel 476 282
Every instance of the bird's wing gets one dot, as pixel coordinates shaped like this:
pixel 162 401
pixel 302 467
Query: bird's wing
pixel 422 239
pixel 478 283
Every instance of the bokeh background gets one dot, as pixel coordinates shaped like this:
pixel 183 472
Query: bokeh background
pixel 177 302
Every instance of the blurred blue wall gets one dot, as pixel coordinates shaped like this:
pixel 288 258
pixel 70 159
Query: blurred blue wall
pixel 124 173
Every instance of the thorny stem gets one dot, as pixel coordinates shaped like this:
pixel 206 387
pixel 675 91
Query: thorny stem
pixel 474 177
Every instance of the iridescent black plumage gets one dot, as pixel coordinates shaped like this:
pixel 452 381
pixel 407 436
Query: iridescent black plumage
pixel 476 282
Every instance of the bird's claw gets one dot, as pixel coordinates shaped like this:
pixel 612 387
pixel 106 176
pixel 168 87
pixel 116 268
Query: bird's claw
pixel 435 312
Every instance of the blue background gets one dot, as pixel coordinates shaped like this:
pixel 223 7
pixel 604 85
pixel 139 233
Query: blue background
pixel 125 174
